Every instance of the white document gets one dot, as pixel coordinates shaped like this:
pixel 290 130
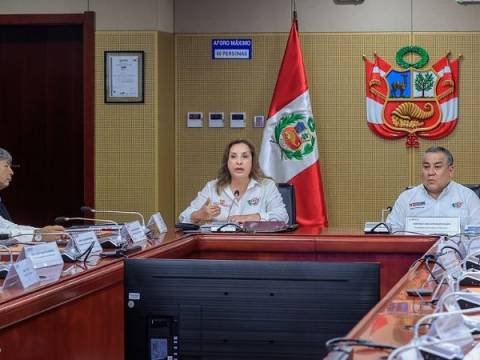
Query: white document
pixel 124 77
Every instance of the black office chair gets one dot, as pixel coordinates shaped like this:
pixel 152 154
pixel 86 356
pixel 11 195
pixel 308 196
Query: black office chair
pixel 474 187
pixel 288 194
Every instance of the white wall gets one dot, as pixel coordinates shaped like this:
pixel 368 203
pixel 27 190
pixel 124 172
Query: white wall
pixel 213 16
pixel 227 16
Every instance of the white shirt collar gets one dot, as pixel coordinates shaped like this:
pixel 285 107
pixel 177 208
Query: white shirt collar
pixel 444 192
pixel 251 184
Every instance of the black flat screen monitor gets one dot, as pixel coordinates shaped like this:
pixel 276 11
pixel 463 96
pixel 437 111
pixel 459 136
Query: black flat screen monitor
pixel 230 309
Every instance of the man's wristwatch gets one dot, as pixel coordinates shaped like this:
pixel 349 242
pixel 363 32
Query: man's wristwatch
pixel 37 235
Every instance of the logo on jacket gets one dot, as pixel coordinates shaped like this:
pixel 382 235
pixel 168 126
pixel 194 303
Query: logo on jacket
pixel 253 201
pixel 457 204
pixel 418 204
pixel 412 100
pixel 223 203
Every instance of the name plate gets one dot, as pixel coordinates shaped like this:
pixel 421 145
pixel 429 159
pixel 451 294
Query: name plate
pixel 156 224
pixel 42 255
pixel 134 231
pixel 433 225
pixel 49 274
pixel 472 230
pixel 21 274
pixel 84 240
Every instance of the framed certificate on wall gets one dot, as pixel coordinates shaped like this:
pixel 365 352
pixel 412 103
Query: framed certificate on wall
pixel 124 76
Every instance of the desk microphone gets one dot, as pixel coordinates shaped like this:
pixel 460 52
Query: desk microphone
pixel 387 209
pixel 439 349
pixel 63 219
pixel 375 227
pixel 464 299
pixel 433 346
pixel 236 194
pixel 85 209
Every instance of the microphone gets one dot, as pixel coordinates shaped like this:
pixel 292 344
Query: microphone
pixel 375 227
pixel 387 209
pixel 439 348
pixel 464 300
pixel 63 219
pixel 229 226
pixel 236 194
pixel 428 342
pixel 85 209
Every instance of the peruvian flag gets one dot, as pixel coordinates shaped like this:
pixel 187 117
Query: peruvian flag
pixel 289 150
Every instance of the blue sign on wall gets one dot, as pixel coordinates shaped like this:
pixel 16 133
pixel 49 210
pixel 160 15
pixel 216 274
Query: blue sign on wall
pixel 231 49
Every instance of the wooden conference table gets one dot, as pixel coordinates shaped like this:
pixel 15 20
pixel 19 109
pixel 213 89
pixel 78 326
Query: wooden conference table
pixel 80 315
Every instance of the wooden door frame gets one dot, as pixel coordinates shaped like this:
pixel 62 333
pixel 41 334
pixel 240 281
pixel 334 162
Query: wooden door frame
pixel 87 21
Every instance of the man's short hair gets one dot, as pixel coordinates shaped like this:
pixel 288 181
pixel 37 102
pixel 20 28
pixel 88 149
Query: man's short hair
pixel 441 149
pixel 5 155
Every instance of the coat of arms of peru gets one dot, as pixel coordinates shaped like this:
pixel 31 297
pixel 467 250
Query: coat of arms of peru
pixel 412 101
pixel 295 134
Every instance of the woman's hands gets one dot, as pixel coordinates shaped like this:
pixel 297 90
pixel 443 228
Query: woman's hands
pixel 210 210
pixel 207 212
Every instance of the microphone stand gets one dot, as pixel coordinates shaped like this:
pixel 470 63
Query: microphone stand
pixel 378 227
pixel 388 209
pixel 417 346
pixel 86 208
pixel 229 224
pixel 235 196
pixel 108 243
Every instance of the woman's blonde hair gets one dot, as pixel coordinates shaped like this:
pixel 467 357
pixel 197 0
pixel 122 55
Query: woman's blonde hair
pixel 224 177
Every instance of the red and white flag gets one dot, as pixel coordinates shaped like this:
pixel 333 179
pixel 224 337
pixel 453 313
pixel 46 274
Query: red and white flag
pixel 289 150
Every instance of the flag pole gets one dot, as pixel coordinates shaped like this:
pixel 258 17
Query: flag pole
pixel 294 14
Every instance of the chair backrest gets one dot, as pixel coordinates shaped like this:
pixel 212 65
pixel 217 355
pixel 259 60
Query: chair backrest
pixel 474 187
pixel 288 194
